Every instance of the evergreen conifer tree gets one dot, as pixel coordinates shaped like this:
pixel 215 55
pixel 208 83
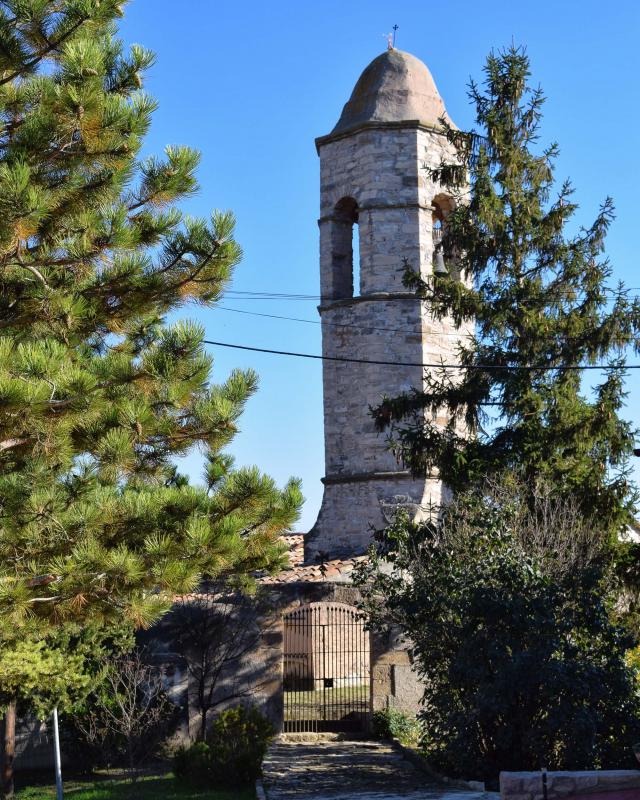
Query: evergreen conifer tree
pixel 98 395
pixel 543 309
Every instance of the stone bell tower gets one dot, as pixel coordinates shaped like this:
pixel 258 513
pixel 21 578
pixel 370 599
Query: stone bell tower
pixel 373 179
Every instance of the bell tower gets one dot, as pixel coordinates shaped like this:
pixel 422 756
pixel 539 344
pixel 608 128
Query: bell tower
pixel 378 207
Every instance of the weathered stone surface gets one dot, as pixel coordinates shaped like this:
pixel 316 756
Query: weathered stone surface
pixel 351 770
pixel 616 784
pixel 396 86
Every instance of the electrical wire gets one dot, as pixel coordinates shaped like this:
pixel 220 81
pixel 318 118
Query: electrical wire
pixel 455 334
pixel 338 324
pixel 519 367
pixel 240 294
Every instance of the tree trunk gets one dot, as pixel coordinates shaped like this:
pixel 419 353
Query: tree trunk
pixel 203 725
pixel 131 757
pixel 9 750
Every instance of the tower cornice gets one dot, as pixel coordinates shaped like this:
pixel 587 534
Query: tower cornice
pixel 406 124
pixel 367 298
pixel 364 477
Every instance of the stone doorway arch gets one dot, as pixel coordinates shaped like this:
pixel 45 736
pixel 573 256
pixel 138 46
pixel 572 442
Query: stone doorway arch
pixel 326 669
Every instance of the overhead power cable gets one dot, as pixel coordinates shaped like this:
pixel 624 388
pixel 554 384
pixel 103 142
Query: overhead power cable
pixel 493 367
pixel 339 324
pixel 364 327
pixel 240 294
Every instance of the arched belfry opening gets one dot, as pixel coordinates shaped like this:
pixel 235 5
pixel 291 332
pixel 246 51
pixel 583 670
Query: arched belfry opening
pixel 326 669
pixel 345 249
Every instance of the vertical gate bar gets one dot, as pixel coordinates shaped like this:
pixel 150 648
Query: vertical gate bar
pixel 295 666
pixel 359 635
pixel 301 658
pixel 305 677
pixel 309 667
pixel 347 654
pixel 313 723
pixel 328 693
pixel 360 671
pixel 350 669
pixel 296 696
pixel 355 683
pixel 345 636
pixel 299 667
pixel 302 645
pixel 343 669
pixel 312 669
pixel 348 619
pixel 335 692
pixel 289 668
pixel 304 633
pixel 296 670
pixel 349 625
pixel 338 672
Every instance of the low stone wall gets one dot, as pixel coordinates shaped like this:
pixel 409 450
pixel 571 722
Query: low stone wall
pixel 594 785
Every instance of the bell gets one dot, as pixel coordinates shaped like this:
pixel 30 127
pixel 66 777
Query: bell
pixel 440 269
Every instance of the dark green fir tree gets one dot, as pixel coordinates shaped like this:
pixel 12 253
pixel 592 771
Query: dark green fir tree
pixel 538 289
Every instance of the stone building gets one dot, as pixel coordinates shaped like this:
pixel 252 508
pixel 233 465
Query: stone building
pixel 373 178
pixel 315 666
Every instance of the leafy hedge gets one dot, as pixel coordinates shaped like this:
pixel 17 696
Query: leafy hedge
pixel 232 753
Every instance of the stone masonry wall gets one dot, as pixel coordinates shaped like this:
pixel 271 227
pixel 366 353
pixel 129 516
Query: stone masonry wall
pixel 351 511
pixel 261 670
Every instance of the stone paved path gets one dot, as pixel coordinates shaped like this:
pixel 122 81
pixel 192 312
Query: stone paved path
pixel 353 770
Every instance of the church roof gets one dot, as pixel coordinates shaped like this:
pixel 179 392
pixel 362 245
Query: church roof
pixel 395 87
pixel 336 570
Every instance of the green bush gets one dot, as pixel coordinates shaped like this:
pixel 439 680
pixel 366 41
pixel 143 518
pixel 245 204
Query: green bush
pixel 232 753
pixel 191 764
pixel 392 723
pixel 508 606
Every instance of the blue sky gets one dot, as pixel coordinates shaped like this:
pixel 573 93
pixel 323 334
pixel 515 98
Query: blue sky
pixel 251 84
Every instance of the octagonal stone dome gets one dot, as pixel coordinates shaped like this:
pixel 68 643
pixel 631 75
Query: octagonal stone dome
pixel 395 87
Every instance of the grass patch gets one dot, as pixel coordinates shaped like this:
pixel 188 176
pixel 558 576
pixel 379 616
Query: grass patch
pixel 155 787
pixel 325 703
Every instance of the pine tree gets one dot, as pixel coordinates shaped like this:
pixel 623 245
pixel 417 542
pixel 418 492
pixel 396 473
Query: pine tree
pixel 543 311
pixel 98 395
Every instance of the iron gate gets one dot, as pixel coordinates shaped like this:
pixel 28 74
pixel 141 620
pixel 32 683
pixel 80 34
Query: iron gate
pixel 326 669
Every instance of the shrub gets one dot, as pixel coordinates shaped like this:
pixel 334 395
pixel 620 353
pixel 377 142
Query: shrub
pixel 128 717
pixel 232 753
pixel 191 764
pixel 391 723
pixel 507 603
